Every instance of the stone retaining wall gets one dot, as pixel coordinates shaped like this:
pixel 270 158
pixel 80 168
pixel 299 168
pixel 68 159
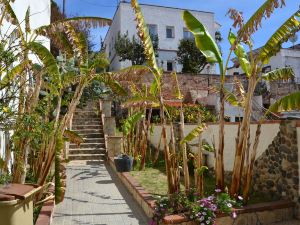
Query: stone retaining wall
pixel 276 171
pixel 263 213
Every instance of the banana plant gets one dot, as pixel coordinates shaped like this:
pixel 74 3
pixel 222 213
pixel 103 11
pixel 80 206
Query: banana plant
pixel 156 90
pixel 252 66
pixel 245 158
pixel 51 81
pixel 206 44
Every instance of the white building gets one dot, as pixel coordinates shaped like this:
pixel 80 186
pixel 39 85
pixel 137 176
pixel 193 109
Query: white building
pixel 285 57
pixel 40 13
pixel 165 22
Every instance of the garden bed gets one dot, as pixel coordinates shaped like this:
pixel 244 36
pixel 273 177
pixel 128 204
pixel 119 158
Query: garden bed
pixel 262 213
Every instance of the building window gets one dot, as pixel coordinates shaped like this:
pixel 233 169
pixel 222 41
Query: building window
pixel 170 66
pixel 187 34
pixel 170 33
pixel 238 119
pixel 266 69
pixel 152 29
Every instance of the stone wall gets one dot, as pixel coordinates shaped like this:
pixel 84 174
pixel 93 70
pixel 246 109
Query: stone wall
pixel 276 171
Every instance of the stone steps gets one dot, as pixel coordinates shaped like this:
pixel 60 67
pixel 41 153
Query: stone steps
pixel 87 145
pixel 91 135
pixel 93 140
pixel 87 157
pixel 86 127
pixel 89 131
pixel 87 151
pixel 88 124
pixel 85 113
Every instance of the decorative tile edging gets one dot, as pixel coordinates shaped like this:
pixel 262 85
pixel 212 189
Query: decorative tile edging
pixel 265 213
pixel 46 213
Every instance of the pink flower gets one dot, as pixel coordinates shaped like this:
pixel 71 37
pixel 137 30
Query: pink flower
pixel 234 215
pixel 218 190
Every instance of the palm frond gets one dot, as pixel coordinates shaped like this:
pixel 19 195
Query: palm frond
pixel 60 40
pixel 47 59
pixel 285 31
pixel 73 137
pixel 10 76
pixel 288 103
pixel 100 61
pixel 264 11
pixel 177 91
pixel 8 12
pixel 131 121
pixel 230 97
pixel 285 73
pixel 204 42
pixel 59 26
pixel 132 73
pixel 193 134
pixel 141 101
pixel 27 21
pixel 108 80
pixel 240 52
pixel 143 33
pixel 78 42
pixel 240 90
pixel 69 78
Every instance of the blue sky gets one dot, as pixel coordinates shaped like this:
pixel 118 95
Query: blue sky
pixel 106 8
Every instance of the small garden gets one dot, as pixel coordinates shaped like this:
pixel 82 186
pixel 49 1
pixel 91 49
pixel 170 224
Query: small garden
pixel 177 176
pixel 40 91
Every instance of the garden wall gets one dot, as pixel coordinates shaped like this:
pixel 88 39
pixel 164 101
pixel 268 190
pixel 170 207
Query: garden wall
pixel 276 171
pixel 211 134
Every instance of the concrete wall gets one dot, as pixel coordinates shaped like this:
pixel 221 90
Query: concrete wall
pixel 269 131
pixel 124 21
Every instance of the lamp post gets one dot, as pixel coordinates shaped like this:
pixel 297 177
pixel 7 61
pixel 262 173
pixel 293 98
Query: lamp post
pixel 64 7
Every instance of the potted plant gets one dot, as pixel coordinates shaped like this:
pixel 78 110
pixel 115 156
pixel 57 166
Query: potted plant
pixel 123 163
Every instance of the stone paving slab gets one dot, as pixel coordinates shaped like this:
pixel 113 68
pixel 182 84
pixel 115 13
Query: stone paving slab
pixel 95 196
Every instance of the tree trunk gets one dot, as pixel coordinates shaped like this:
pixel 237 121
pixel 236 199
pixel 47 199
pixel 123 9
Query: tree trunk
pixel 186 173
pixel 248 179
pixel 220 154
pixel 199 177
pixel 242 141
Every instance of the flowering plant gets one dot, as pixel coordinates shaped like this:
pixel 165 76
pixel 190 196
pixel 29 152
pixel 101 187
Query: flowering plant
pixel 201 210
pixel 204 211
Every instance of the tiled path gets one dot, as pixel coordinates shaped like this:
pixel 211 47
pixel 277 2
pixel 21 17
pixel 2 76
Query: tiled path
pixel 95 196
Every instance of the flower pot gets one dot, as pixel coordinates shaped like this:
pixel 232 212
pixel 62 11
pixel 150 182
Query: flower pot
pixel 123 163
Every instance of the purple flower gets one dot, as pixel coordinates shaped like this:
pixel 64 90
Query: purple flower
pixel 240 198
pixel 218 190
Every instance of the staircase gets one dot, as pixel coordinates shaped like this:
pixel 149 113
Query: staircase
pixel 87 123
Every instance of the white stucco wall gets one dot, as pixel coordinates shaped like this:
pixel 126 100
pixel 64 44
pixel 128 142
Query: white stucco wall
pixel 285 57
pixel 211 135
pixel 124 20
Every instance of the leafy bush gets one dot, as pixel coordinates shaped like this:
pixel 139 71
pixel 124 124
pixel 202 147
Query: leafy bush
pixel 191 114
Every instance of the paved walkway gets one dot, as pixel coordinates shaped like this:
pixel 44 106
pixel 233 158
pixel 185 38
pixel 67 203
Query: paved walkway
pixel 95 196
